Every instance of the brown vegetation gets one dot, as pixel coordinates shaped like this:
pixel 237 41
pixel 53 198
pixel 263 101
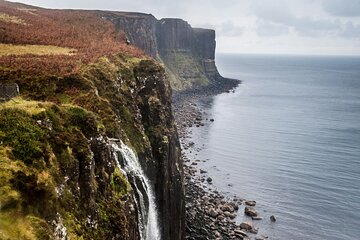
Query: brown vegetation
pixel 85 31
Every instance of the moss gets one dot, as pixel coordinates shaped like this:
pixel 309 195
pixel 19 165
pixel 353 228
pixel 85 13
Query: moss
pixel 31 107
pixel 41 228
pixel 186 69
pixel 22 134
pixel 15 225
pixel 119 184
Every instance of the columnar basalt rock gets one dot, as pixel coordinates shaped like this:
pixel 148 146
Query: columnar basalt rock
pixel 187 53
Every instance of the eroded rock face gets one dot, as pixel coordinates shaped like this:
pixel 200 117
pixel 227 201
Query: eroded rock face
pixel 188 53
pixel 165 167
pixel 140 29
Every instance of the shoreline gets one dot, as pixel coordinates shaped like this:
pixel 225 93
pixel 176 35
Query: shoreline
pixel 209 214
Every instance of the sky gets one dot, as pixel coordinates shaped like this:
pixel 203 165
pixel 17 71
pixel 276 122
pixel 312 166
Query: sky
pixel 321 27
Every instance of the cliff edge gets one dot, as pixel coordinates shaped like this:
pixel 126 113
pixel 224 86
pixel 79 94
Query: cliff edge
pixel 188 54
pixel 89 104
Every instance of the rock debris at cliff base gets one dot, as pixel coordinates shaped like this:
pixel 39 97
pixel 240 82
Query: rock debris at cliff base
pixel 209 214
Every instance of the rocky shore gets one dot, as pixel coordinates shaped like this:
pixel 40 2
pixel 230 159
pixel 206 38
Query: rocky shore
pixel 209 214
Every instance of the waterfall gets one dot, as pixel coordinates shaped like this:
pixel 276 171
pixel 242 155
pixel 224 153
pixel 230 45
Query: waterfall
pixel 147 212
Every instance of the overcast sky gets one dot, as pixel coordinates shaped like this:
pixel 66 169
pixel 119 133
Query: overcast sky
pixel 253 26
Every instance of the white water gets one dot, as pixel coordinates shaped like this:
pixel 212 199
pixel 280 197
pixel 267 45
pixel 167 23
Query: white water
pixel 148 219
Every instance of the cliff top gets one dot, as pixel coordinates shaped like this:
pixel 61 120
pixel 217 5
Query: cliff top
pixel 59 42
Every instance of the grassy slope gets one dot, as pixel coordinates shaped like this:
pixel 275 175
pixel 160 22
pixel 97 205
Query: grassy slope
pixel 65 101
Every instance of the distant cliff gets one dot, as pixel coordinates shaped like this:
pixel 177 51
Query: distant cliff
pixel 188 54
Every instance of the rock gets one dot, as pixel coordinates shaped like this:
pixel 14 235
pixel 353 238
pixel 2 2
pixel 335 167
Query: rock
pixel 254 231
pixel 234 205
pixel 217 234
pixel 211 120
pixel 261 237
pixel 202 171
pixel 250 211
pixel 213 213
pixel 272 218
pixel 227 207
pixel 209 179
pixel 246 225
pixel 240 232
pixel 250 203
pixel 256 218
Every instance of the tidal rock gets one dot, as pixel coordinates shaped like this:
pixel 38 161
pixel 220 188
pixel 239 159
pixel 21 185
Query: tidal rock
pixel 256 218
pixel 250 203
pixel 250 211
pixel 246 225
pixel 261 238
pixel 213 213
pixel 227 207
pixel 202 171
pixel 240 232
pixel 209 179
pixel 272 218
pixel 211 120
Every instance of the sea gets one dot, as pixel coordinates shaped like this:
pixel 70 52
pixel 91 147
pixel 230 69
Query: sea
pixel 289 138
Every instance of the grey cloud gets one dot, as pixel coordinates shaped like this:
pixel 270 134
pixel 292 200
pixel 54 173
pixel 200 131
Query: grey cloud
pixel 267 29
pixel 313 27
pixel 279 14
pixel 274 11
pixel 342 8
pixel 230 30
pixel 351 31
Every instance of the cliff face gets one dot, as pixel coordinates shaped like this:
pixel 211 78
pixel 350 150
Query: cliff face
pixel 59 174
pixel 188 54
pixel 139 29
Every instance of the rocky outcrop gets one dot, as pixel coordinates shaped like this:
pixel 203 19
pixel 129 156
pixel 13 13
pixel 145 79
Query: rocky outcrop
pixel 188 54
pixel 64 175
pixel 140 29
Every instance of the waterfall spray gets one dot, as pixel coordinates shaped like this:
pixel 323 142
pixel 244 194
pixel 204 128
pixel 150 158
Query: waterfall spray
pixel 147 212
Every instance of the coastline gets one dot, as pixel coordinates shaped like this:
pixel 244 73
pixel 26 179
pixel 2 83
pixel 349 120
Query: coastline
pixel 209 214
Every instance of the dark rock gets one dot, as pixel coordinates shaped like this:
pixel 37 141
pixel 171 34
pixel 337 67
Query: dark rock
pixel 250 211
pixel 250 203
pixel 246 225
pixel 209 179
pixel 272 218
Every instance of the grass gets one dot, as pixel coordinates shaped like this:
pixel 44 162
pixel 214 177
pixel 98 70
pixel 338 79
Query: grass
pixel 31 107
pixel 11 19
pixel 15 226
pixel 10 49
pixel 92 37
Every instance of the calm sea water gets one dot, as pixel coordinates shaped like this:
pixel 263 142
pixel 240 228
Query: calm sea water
pixel 289 138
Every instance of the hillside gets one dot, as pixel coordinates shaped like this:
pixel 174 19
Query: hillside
pixel 83 90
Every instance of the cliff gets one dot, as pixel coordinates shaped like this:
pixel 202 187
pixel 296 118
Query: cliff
pixel 188 54
pixel 82 91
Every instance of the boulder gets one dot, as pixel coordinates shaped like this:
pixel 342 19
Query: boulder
pixel 213 213
pixel 250 211
pixel 246 225
pixel 250 203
